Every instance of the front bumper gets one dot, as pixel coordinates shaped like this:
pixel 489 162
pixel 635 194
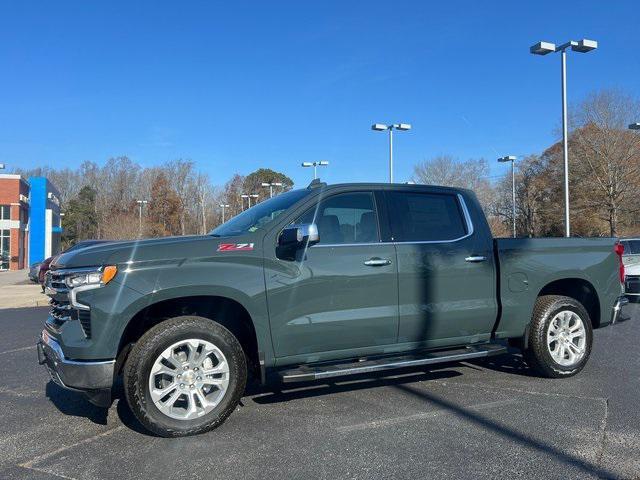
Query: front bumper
pixel 617 307
pixel 95 378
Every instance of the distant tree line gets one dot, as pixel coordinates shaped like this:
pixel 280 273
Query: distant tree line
pixel 604 176
pixel 101 201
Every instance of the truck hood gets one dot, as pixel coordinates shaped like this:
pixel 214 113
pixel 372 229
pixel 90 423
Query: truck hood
pixel 144 250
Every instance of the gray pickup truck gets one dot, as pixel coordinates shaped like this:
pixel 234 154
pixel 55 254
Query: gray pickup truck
pixel 315 283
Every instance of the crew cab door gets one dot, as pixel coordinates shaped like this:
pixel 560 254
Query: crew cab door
pixel 341 295
pixel 446 271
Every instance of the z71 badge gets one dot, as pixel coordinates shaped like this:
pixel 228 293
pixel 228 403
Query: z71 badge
pixel 235 247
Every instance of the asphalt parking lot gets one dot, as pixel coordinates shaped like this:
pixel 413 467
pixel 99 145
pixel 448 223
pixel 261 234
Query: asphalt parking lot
pixel 487 419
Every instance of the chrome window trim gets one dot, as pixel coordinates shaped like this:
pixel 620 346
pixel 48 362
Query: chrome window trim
pixel 467 218
pixel 324 245
pixel 465 214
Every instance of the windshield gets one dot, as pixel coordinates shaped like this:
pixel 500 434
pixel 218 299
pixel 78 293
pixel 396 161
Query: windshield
pixel 259 216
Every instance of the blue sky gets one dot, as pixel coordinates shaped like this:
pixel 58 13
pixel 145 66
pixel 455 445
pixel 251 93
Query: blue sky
pixel 238 85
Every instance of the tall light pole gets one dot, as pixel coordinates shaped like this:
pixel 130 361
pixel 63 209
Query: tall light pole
pixel 315 165
pixel 248 196
pixel 271 185
pixel 381 127
pixel 580 46
pixel 512 159
pixel 223 206
pixel 140 203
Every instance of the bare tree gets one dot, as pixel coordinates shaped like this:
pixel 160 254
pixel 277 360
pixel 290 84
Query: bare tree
pixel 202 192
pixel 607 155
pixel 447 171
pixel 179 173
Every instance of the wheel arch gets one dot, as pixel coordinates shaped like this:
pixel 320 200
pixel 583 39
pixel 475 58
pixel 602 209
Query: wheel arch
pixel 580 290
pixel 227 311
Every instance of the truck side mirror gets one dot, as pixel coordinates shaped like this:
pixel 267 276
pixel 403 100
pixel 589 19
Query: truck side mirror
pixel 295 237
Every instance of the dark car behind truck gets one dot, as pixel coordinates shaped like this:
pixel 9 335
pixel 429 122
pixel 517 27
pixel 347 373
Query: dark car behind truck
pixel 315 283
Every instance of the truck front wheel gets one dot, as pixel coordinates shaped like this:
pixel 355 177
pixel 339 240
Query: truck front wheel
pixel 560 336
pixel 185 376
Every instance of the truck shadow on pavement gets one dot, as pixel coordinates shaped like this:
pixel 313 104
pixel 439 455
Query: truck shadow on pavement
pixel 511 363
pixel 278 393
pixel 75 404
pixel 510 434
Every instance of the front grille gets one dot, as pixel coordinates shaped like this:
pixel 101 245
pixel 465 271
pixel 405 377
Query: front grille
pixel 61 309
pixel 85 321
pixel 60 312
pixel 56 281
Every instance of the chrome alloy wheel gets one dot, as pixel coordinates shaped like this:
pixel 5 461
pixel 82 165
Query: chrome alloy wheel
pixel 566 338
pixel 189 379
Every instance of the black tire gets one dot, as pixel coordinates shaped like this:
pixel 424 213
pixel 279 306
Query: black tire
pixel 144 353
pixel 537 353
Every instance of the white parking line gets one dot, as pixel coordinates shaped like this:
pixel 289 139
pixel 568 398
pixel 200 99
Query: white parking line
pixel 18 349
pixel 42 470
pixel 44 456
pixel 516 390
pixel 418 416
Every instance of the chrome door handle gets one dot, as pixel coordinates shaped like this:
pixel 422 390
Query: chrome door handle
pixel 475 258
pixel 377 262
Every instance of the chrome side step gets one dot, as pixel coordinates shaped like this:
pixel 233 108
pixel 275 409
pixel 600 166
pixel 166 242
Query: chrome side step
pixel 308 373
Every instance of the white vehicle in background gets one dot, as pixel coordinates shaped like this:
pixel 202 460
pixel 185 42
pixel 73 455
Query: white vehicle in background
pixel 631 260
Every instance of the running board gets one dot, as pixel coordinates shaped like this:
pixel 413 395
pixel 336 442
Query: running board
pixel 308 373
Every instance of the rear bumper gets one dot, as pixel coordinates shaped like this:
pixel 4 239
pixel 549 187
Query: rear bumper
pixel 615 315
pixel 92 377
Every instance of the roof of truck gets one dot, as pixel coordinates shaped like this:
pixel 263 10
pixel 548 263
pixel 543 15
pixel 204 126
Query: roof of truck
pixel 317 183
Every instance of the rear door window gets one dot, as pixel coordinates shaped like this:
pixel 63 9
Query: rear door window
pixel 426 217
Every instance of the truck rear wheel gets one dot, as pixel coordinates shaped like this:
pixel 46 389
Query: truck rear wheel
pixel 185 376
pixel 560 337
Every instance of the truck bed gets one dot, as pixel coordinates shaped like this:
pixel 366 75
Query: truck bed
pixel 528 267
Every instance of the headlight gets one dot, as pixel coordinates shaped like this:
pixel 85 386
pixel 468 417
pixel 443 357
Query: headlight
pixel 98 277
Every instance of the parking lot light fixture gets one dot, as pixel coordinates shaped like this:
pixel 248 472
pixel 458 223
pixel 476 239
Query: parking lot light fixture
pixel 381 127
pixel 223 206
pixel 271 185
pixel 543 48
pixel 248 196
pixel 634 126
pixel 315 165
pixel 512 159
pixel 580 46
pixel 141 204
